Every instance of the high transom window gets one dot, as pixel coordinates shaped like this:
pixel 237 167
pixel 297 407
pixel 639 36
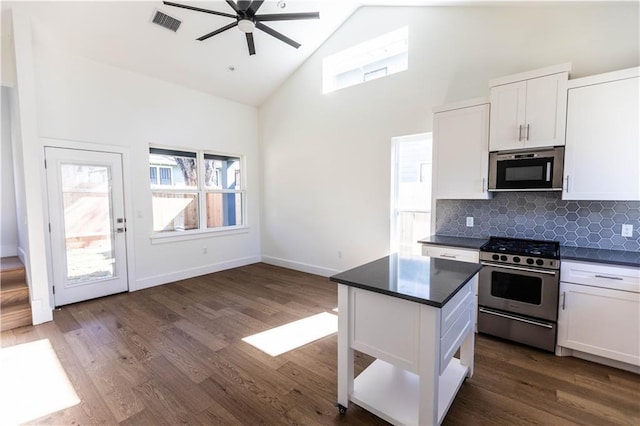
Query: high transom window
pixel 379 57
pixel 195 190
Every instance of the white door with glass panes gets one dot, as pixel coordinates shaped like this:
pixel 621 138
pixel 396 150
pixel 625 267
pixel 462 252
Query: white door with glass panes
pixel 410 192
pixel 87 224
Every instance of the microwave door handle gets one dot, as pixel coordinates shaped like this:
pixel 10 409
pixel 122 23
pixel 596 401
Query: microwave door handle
pixel 548 171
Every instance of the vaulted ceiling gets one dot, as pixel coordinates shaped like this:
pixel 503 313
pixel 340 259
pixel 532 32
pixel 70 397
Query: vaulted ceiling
pixel 121 34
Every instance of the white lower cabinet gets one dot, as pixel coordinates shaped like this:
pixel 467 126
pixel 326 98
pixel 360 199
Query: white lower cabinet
pixel 599 312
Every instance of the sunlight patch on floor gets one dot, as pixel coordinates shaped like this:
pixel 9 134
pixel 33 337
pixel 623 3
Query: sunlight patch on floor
pixel 32 383
pixel 294 334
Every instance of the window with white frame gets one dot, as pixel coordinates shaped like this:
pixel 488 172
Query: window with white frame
pixel 195 190
pixel 379 57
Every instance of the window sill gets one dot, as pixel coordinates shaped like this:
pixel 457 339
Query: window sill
pixel 171 237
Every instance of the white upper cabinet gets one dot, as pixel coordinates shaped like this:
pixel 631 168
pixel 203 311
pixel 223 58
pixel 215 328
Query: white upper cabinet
pixel 528 110
pixel 602 153
pixel 461 150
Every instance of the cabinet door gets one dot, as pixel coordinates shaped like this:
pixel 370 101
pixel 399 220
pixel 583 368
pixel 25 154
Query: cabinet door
pixel 602 155
pixel 600 321
pixel 545 113
pixel 508 104
pixel 461 153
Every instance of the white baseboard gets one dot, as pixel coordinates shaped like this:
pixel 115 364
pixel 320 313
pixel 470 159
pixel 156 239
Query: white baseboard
pixel 299 266
pixel 22 255
pixel 190 273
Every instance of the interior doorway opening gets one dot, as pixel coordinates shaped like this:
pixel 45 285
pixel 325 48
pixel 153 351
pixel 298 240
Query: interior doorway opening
pixel 410 192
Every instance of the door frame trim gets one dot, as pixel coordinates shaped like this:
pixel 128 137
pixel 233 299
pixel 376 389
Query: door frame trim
pixel 125 153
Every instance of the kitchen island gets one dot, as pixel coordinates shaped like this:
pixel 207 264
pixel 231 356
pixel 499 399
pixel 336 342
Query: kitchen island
pixel 412 313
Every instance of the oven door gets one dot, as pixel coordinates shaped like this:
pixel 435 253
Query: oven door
pixel 520 290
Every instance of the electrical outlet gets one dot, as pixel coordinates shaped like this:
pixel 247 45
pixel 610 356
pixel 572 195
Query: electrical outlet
pixel 627 230
pixel 204 250
pixel 339 254
pixel 470 222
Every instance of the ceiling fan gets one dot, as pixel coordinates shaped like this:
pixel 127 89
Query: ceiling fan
pixel 247 20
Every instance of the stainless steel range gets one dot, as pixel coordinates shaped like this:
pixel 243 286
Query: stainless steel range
pixel 518 290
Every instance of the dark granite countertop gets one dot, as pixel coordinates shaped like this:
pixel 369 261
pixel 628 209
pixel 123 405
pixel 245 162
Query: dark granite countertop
pixel 612 257
pixel 420 279
pixel 462 242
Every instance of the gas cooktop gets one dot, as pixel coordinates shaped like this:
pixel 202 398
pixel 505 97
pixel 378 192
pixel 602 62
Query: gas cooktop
pixel 521 251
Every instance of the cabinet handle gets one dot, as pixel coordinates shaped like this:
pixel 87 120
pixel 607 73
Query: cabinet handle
pixel 450 256
pixel 527 137
pixel 520 133
pixel 610 278
pixel 564 299
pixel 482 185
pixel 511 317
pixel 566 183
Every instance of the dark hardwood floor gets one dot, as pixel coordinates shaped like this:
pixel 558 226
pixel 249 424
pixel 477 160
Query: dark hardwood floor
pixel 173 354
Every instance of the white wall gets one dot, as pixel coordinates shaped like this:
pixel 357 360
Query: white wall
pixel 8 221
pixel 326 158
pixel 91 103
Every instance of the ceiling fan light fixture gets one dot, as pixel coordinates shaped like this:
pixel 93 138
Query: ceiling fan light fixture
pixel 246 25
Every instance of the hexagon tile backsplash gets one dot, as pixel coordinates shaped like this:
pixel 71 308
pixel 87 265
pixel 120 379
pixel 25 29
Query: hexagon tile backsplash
pixel 543 216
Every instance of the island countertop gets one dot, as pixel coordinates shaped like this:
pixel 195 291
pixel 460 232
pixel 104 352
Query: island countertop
pixel 420 279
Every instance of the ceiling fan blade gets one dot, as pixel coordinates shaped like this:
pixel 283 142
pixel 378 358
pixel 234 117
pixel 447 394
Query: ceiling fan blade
pixel 250 45
pixel 233 6
pixel 218 31
pixel 277 35
pixel 243 5
pixel 198 9
pixel 255 5
pixel 288 16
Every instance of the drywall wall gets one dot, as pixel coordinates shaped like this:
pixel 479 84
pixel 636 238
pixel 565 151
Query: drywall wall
pixel 8 225
pixel 326 158
pixel 88 105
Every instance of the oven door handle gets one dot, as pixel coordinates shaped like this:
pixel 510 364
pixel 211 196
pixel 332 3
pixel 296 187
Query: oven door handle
pixel 517 268
pixel 511 317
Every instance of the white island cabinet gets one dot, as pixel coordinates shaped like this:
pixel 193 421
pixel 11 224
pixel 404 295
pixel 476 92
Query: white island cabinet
pixel 412 314
pixel 599 313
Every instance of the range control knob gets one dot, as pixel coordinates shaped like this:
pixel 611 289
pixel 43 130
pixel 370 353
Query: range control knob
pixel 539 262
pixel 530 261
pixel 516 259
pixel 495 257
pixel 503 258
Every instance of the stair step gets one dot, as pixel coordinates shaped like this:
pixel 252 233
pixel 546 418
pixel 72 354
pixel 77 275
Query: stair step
pixel 14 294
pixel 11 271
pixel 15 316
pixel 16 276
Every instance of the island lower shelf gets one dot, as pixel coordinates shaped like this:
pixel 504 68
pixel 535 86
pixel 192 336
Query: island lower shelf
pixel 393 393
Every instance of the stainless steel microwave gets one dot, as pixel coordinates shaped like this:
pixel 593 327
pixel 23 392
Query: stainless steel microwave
pixel 526 170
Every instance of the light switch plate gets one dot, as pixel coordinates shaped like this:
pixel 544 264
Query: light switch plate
pixel 627 230
pixel 470 221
